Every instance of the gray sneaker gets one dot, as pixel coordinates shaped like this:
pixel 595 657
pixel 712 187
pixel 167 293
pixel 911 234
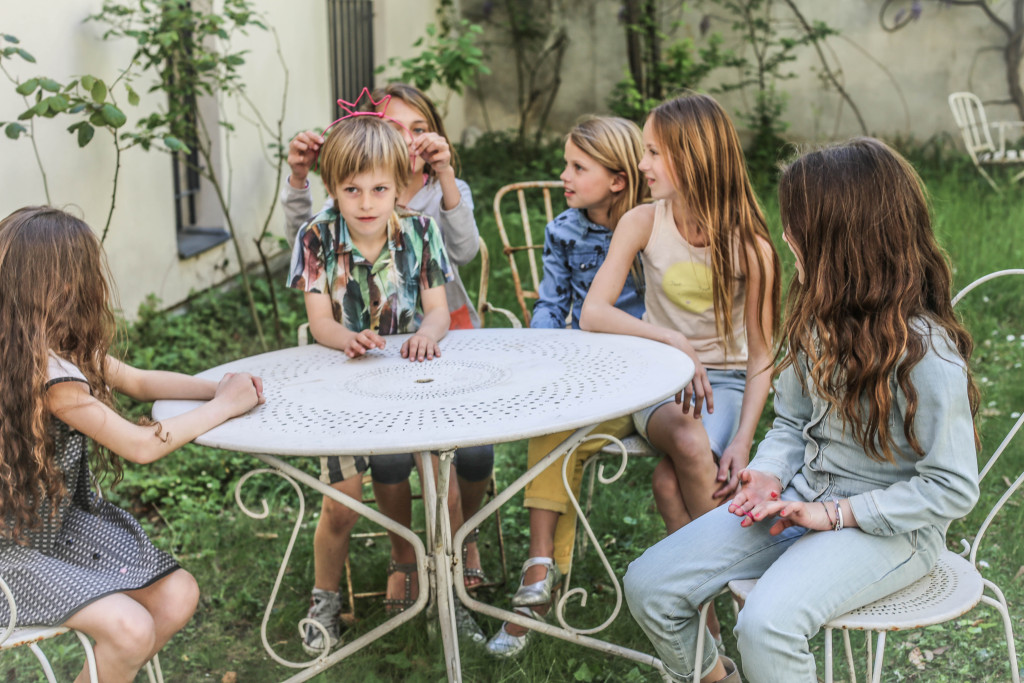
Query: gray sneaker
pixel 324 607
pixel 467 626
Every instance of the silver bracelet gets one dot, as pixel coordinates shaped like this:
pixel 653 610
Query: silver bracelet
pixel 839 516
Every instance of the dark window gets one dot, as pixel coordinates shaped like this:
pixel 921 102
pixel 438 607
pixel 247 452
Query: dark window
pixel 199 221
pixel 350 23
pixel 193 236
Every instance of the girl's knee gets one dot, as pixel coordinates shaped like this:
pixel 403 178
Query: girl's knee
pixel 764 619
pixel 642 588
pixel 664 483
pixel 184 598
pixel 337 519
pixel 133 635
pixel 689 446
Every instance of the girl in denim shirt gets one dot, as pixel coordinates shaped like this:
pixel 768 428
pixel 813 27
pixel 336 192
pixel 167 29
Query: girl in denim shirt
pixel 873 449
pixel 602 182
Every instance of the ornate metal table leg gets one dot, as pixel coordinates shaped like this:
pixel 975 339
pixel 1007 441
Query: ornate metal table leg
pixel 564 631
pixel 327 659
pixel 439 540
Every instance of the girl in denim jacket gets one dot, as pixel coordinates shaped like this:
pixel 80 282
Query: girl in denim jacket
pixel 873 448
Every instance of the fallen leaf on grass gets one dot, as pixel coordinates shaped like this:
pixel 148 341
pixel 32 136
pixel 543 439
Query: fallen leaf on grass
pixel 264 535
pixel 918 657
pixel 229 677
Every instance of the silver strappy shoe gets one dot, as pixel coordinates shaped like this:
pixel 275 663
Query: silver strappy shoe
pixel 506 645
pixel 538 593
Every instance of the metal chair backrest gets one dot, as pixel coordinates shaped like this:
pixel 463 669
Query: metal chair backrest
pixel 1012 488
pixel 969 114
pixel 532 241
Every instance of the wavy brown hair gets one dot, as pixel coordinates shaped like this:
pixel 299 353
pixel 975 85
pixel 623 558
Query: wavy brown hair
pixel 710 174
pixel 55 298
pixel 857 214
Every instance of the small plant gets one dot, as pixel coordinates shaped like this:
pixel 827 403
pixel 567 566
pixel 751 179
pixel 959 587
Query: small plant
pixel 450 58
pixel 86 98
pixel 683 67
pixel 188 50
pixel 769 52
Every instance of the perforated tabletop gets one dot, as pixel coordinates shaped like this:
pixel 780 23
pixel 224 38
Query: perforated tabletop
pixel 489 386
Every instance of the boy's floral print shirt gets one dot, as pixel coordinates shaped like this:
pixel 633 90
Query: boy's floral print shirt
pixel 383 296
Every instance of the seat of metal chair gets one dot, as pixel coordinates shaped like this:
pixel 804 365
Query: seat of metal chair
pixel 636 447
pixel 951 589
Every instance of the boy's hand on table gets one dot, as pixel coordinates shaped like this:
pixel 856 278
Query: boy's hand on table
pixel 363 342
pixel 419 347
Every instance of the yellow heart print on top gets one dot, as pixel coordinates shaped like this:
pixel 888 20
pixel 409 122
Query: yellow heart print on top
pixel 687 284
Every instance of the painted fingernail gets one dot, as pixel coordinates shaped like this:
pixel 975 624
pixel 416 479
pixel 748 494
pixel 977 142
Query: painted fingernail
pixel 774 495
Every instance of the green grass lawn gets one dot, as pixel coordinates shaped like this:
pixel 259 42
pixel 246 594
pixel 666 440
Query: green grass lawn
pixel 186 501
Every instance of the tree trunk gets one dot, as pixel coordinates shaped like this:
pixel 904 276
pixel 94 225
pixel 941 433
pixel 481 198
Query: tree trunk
pixel 634 43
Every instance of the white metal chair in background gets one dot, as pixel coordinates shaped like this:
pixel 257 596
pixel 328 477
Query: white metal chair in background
pixel 969 114
pixel 12 637
pixel 952 588
pixel 532 241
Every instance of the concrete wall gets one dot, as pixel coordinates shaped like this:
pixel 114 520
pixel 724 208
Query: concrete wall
pixel 899 80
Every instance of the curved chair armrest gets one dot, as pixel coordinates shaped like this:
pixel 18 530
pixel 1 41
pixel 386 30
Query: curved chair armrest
pixel 8 629
pixel 512 319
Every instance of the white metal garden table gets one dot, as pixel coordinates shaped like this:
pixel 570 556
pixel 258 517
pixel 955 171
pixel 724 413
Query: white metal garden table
pixel 488 386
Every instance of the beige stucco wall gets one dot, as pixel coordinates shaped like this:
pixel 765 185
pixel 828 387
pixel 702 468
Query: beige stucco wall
pixel 899 81
pixel 141 245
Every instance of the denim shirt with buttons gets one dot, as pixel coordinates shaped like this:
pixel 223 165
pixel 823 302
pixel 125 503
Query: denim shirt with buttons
pixel 810 452
pixel 574 248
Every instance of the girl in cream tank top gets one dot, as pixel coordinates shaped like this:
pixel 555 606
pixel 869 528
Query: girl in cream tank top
pixel 678 279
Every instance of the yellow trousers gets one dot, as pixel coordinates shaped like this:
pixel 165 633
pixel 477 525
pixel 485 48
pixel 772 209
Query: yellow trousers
pixel 547 492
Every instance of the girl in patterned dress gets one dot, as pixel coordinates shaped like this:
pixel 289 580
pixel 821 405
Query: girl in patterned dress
pixel 69 557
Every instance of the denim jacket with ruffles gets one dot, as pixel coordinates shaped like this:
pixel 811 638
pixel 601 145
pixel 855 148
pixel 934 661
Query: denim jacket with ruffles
pixel 809 450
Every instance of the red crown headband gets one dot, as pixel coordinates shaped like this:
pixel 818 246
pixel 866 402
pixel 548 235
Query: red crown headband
pixel 352 109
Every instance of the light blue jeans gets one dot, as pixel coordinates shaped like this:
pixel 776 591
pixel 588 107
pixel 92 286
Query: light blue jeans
pixel 727 387
pixel 806 579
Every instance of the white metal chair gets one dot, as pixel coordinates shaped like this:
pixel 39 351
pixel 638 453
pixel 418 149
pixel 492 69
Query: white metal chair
pixel 12 637
pixel 952 588
pixel 532 242
pixel 969 114
pixel 484 306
